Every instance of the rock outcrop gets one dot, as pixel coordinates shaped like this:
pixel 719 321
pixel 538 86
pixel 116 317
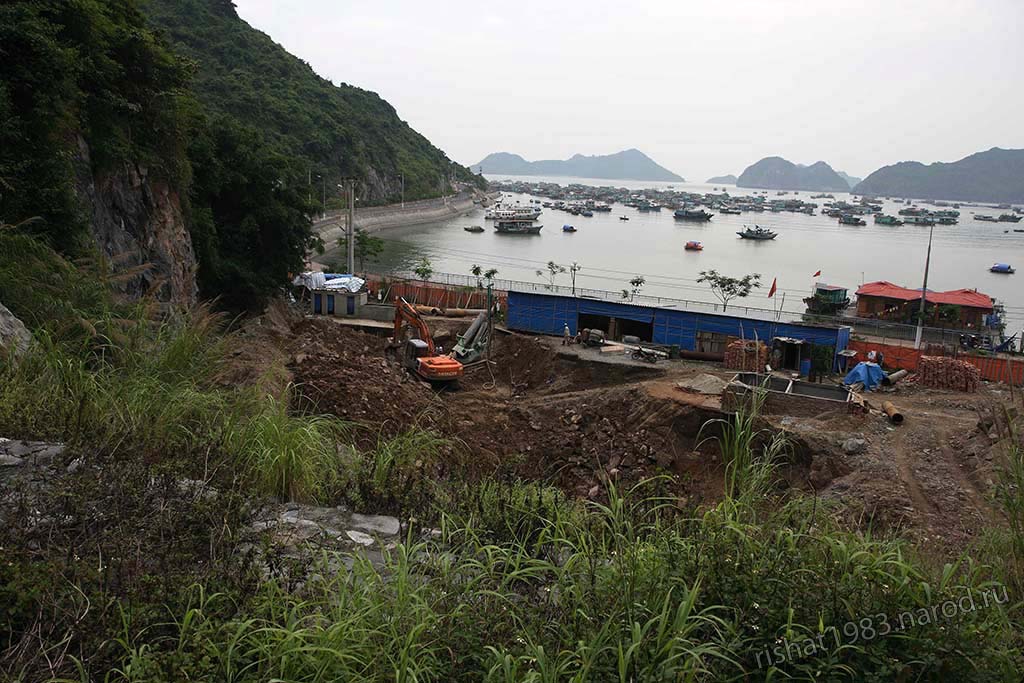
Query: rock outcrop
pixel 137 221
pixel 13 333
pixel 776 173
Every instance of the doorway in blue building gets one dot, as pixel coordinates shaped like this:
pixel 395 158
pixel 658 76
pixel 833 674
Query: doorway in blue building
pixel 616 328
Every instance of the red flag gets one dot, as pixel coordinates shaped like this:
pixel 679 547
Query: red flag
pixel 771 292
pixel 816 274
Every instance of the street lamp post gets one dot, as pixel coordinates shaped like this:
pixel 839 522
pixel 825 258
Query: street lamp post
pixel 924 291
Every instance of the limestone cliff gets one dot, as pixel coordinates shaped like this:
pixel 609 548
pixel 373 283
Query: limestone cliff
pixel 137 219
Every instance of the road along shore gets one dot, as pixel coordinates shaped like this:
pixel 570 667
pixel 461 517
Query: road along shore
pixel 380 218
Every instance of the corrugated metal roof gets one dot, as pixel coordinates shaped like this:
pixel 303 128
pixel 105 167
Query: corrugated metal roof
pixel 970 298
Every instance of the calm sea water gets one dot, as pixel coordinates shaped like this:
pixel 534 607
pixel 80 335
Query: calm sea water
pixel 612 251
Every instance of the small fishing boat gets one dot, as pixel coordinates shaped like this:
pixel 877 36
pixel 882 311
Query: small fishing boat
pixel 730 211
pixel 1004 268
pixel 474 228
pixel 568 228
pixel 1009 218
pixel 757 233
pixel 985 218
pixel 693 245
pixel 623 218
pixel 847 219
pixel 1018 230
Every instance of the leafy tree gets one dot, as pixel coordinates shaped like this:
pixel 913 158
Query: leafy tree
pixel 728 288
pixel 424 269
pixel 367 247
pixel 250 218
pixel 480 274
pixel 551 272
pixel 636 284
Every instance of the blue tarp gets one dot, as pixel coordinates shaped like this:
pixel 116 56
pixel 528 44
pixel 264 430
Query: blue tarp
pixel 869 374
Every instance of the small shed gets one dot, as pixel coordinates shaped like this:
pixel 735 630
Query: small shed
pixel 338 302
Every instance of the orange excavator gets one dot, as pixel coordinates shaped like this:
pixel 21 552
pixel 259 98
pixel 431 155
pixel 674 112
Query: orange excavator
pixel 420 356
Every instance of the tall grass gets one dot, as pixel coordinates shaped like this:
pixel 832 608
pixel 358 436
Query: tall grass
pixel 613 592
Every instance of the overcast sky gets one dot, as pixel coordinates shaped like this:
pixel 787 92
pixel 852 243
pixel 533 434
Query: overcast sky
pixel 704 87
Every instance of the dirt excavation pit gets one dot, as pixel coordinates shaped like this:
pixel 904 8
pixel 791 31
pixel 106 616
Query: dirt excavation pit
pixel 573 422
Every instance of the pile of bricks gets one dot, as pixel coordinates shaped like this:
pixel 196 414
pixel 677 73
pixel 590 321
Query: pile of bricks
pixel 747 356
pixel 948 373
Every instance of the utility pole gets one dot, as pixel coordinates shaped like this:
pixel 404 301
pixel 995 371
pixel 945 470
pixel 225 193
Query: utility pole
pixel 325 197
pixel 924 291
pixel 403 189
pixel 351 199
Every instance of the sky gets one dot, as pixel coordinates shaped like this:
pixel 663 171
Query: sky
pixel 703 87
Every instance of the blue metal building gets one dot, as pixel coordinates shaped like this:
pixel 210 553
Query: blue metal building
pixel 690 330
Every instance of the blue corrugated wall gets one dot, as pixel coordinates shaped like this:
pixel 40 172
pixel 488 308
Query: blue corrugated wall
pixel 548 313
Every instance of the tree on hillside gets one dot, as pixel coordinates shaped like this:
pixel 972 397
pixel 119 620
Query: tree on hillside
pixel 728 288
pixel 550 273
pixel 368 247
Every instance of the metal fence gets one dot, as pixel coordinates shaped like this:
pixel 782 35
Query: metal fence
pixel 898 334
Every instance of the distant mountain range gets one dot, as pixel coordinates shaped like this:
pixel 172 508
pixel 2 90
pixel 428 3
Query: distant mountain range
pixel 776 173
pixel 630 164
pixel 850 180
pixel 996 175
pixel 721 180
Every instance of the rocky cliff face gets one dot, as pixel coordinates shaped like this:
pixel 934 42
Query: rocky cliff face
pixel 776 173
pixel 137 220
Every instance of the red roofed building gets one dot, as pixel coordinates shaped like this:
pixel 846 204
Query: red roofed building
pixel 961 308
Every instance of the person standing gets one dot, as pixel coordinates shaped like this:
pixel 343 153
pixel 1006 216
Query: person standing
pixel 566 336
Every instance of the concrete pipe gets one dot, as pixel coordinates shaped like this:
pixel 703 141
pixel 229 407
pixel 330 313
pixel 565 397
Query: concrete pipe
pixel 894 377
pixel 895 416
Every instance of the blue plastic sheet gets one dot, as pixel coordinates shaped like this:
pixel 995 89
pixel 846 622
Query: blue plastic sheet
pixel 869 374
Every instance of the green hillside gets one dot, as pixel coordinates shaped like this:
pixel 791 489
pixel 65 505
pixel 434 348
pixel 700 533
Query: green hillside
pixel 338 130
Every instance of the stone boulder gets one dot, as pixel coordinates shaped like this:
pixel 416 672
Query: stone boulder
pixel 13 333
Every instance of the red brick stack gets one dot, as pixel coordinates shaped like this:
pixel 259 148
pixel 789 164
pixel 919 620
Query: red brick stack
pixel 947 373
pixel 748 356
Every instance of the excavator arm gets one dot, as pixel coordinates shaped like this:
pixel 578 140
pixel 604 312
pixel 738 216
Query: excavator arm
pixel 406 314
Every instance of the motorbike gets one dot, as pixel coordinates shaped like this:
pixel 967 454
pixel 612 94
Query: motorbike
pixel 645 355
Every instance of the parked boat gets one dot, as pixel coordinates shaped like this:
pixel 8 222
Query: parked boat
pixel 847 219
pixel 693 245
pixel 1009 218
pixel 757 233
pixel 474 228
pixel 1018 230
pixel 919 220
pixel 516 226
pixel 588 213
pixel 568 228
pixel 623 218
pixel 882 219
pixel 827 299
pixel 692 215
pixel 1004 268
pixel 730 211
pixel 986 218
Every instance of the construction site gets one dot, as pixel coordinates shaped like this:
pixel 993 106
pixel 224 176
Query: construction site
pixel 910 452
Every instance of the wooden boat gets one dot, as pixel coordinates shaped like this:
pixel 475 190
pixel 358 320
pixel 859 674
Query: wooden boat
pixel 730 211
pixel 757 233
pixel 693 245
pixel 851 220
pixel 473 228
pixel 1009 218
pixel 623 218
